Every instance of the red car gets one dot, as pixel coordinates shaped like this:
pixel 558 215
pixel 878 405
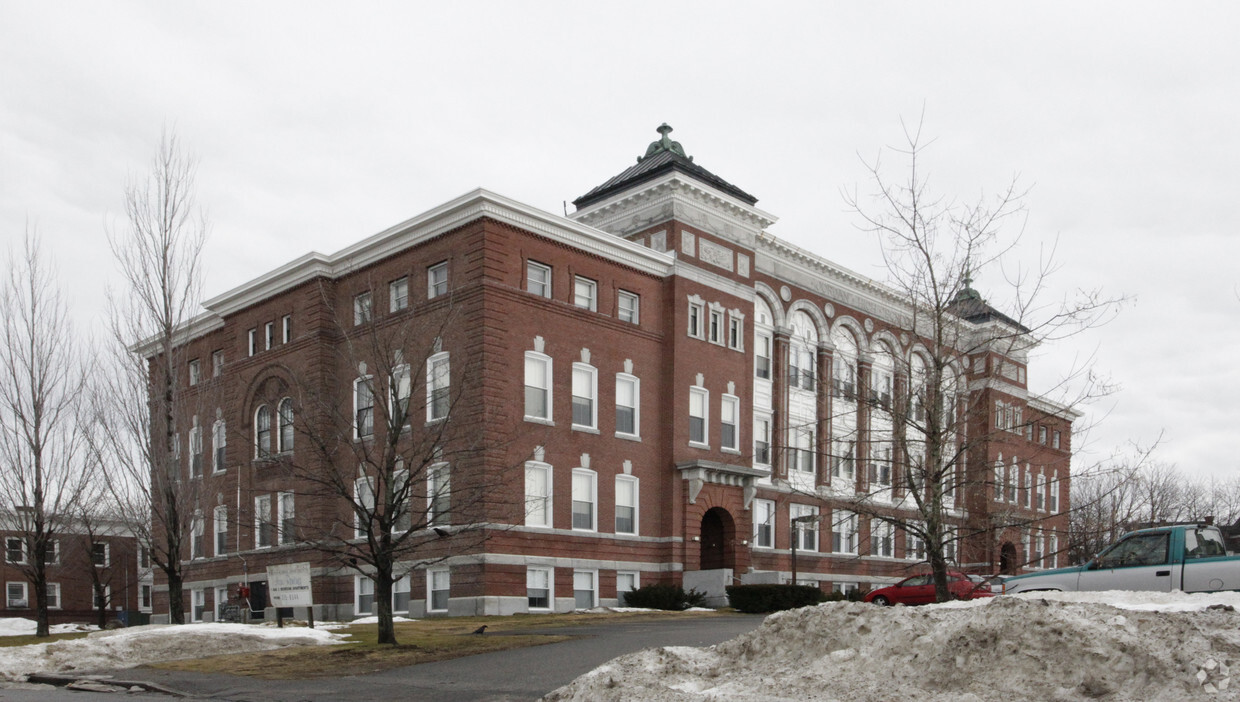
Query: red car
pixel 919 589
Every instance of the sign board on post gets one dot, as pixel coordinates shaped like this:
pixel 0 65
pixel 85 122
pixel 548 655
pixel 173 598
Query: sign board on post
pixel 289 585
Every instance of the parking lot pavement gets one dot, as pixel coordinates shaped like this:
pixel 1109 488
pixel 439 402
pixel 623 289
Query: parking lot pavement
pixel 503 676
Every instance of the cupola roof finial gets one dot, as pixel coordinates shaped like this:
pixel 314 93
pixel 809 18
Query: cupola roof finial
pixel 664 144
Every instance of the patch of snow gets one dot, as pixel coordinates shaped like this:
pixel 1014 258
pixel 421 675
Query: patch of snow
pixel 139 645
pixel 375 620
pixel 1118 646
pixel 20 626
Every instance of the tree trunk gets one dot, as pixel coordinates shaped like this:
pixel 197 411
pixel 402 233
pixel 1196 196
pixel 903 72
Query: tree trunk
pixel 176 605
pixel 383 603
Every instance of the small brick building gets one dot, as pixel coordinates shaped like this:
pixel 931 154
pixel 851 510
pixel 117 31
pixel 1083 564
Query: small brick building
pixel 673 384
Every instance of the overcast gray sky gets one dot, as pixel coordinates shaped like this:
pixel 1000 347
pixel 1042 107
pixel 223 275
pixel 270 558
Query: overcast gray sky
pixel 318 124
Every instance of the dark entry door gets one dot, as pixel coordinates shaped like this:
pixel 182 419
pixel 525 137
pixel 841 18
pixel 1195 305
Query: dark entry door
pixel 715 547
pixel 258 599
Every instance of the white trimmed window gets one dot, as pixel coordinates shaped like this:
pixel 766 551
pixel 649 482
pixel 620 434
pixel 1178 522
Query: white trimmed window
pixel 438 587
pixel 537 386
pixel 628 405
pixel 103 597
pixel 764 523
pixel 400 390
pixel 729 423
pixel 585 293
pixel 1055 439
pixel 436 280
pixel 252 341
pixel 217 365
pixel 1041 434
pixel 882 539
pixel 287 323
pixel 538 278
pixel 53 595
pixel 287 513
pixel 438 386
pixel 363 407
pixel 1027 493
pixel 585 500
pixel 844 454
pixel 269 335
pixel 914 544
pixel 762 441
pixel 626 582
pixel 402 517
pixel 196 537
pixel 285 416
pixel 585 395
pixel 219 440
pixel 804 531
pixel 697 326
pixel 844 532
pixel 1039 492
pixel 144 598
pixel 801 457
pixel 1051 559
pixel 363 497
pixel 362 308
pixel 628 307
pixel 538 588
pixel 199 608
pixel 736 332
pixel 401 594
pixel 949 543
pixel 699 403
pixel 219 520
pixel 364 596
pixel 195 372
pixel 16 596
pixel 263 528
pixel 398 294
pixel 1000 477
pixel 14 549
pixel 438 494
pixel 626 504
pixel 1013 481
pixel 585 589
pixel 762 355
pixel 195 450
pixel 537 494
pixel 101 554
pixel 1052 493
pixel 714 330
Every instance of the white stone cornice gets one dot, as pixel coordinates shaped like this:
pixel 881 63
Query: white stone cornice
pixel 718 282
pixel 1048 406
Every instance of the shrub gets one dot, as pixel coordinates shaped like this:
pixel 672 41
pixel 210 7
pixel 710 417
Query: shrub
pixel 757 599
pixel 663 596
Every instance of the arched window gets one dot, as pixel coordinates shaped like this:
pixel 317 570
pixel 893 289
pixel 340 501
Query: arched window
pixel 803 352
pixel 286 425
pixel 844 363
pixel 262 432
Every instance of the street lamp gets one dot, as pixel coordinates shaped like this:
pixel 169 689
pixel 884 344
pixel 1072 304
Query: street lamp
pixel 796 537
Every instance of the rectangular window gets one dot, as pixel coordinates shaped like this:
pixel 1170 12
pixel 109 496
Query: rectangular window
pixel 626 582
pixel 1039 492
pixel 1055 439
pixel 1041 435
pixel 263 532
pixel 538 587
pixel 1052 493
pixel 845 455
pixel 16 596
pixel 696 310
pixel 363 502
pixel 195 372
pixel 762 441
pixel 585 495
pixel 585 293
pixel 626 504
pixel 1013 481
pixel 269 334
pixel 914 544
pixel 801 457
pixel 195 452
pixel 437 387
pixel 585 389
pixel 196 537
pixel 844 380
pixel 714 332
pixel 287 526
pixel 14 550
pixel 699 400
pixel 1000 478
pixel 439 585
pixel 762 357
pixel 628 307
pixel 628 394
pixel 398 294
pixel 287 324
pixel 220 521
pixel 537 494
pixel 882 539
pixel 363 408
pixel 1027 493
pixel 199 605
pixel 53 552
pixel 401 594
pixel 144 597
pixel 1052 552
pixel 103 597
pixel 537 386
pixel 437 280
pixel 585 594
pixel 804 525
pixel 736 334
pixel 101 554
pixel 364 587
pixel 252 341
pixel 438 494
pixel 844 532
pixel 217 363
pixel 402 514
pixel 362 308
pixel 401 390
pixel 729 423
pixel 764 523
pixel 538 278
pixel 219 442
pixel 53 595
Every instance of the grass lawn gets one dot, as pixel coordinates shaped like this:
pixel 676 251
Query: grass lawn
pixel 421 641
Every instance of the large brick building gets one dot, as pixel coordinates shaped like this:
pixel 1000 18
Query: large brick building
pixel 657 387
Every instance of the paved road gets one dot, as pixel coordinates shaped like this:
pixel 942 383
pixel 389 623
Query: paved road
pixel 504 676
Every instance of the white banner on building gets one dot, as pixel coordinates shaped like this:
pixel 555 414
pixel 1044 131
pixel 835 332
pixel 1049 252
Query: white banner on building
pixel 289 585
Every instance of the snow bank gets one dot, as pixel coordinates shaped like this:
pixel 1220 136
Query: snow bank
pixel 125 648
pixel 18 626
pixel 1061 646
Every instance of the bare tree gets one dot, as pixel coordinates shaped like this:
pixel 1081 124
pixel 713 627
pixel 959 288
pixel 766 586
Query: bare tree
pixel 140 407
pixel 42 378
pixel 394 472
pixel 926 429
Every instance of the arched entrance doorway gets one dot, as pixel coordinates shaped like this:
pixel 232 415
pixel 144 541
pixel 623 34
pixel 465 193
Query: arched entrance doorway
pixel 1007 558
pixel 718 537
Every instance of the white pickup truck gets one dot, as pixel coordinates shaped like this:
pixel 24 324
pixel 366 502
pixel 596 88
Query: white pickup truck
pixel 1188 557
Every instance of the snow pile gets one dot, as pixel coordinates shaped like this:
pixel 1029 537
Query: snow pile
pixel 125 648
pixel 1061 646
pixel 18 626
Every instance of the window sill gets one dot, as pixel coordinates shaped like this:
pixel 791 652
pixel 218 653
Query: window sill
pixel 539 420
pixel 628 437
pixel 699 445
pixel 733 451
pixel 585 429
